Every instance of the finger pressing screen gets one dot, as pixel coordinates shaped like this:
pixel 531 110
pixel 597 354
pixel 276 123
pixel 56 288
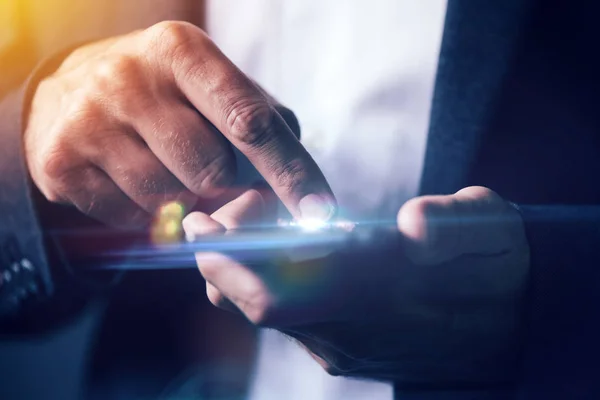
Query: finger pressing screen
pixel 231 101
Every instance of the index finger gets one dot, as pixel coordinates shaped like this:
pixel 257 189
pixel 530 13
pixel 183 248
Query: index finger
pixel 246 117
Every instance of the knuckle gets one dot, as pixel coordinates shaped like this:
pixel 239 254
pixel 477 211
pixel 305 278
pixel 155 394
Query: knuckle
pixel 253 196
pixel 414 222
pixel 413 217
pixel 57 160
pixel 119 66
pixel 423 208
pixel 171 31
pixel 482 193
pixel 173 38
pixel 250 122
pixel 84 115
pixel 56 163
pixel 118 83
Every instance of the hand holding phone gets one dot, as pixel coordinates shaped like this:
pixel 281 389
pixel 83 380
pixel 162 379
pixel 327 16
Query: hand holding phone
pixel 433 301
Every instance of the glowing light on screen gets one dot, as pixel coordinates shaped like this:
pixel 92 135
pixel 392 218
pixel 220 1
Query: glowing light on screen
pixel 311 224
pixel 317 225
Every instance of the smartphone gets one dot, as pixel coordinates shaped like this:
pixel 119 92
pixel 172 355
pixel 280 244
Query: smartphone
pixel 294 241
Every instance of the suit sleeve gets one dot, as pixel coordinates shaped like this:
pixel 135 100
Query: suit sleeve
pixel 38 289
pixel 24 272
pixel 563 344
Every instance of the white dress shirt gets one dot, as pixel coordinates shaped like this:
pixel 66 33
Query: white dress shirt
pixel 360 76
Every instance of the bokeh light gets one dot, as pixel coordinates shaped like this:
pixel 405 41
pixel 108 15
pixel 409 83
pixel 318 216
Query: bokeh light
pixel 166 227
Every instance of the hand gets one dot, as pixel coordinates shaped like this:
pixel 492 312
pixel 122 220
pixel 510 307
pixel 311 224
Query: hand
pixel 438 303
pixel 129 123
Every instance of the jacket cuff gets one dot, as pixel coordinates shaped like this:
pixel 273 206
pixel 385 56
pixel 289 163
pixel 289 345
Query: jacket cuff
pixel 24 272
pixel 37 289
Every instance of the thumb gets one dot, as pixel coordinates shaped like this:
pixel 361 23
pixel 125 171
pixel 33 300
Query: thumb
pixel 473 221
pixel 246 210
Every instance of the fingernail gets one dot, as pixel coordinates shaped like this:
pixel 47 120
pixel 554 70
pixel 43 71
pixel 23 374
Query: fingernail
pixel 316 207
pixel 188 228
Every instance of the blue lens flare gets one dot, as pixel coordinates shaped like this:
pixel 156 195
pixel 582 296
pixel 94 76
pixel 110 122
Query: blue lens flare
pixel 291 239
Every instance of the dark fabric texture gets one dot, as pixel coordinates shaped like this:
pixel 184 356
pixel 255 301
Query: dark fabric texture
pixel 515 109
pixel 17 217
pixel 477 50
pixel 562 348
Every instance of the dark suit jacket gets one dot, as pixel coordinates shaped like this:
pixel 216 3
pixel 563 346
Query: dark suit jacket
pixel 515 109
